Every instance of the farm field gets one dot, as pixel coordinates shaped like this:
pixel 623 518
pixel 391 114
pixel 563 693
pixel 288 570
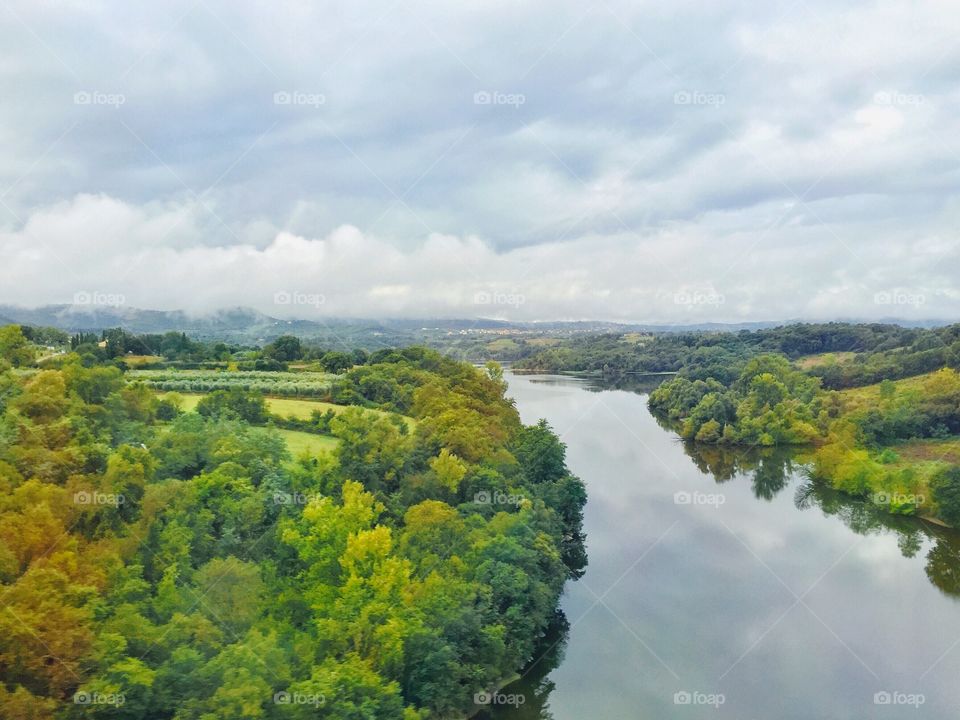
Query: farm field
pixel 287 407
pixel 299 442
pixel 917 451
pixel 136 361
pixel 810 361
pixel 297 384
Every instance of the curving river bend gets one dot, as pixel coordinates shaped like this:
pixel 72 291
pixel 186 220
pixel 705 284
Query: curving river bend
pixel 724 585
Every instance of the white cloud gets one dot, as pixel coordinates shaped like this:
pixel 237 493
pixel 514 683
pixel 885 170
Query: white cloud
pixel 690 272
pixel 822 172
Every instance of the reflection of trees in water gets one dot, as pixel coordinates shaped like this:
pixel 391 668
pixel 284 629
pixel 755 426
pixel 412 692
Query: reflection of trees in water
pixel 534 684
pixel 770 470
pixel 943 567
pixel 640 384
pixel 865 518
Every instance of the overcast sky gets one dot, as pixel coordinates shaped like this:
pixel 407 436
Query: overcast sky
pixel 647 161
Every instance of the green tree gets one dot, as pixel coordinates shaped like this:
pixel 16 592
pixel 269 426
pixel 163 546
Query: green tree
pixel 285 348
pixel 540 453
pixel 337 362
pixel 14 346
pixel 347 689
pixel 946 491
pixel 242 404
pixel 372 449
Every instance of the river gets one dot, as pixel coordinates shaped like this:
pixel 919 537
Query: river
pixel 725 585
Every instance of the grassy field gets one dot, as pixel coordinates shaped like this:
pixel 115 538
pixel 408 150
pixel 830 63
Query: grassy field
pixel 502 345
pixel 285 407
pixel 916 451
pixel 299 443
pixel 543 342
pixel 302 409
pixel 189 401
pixel 835 358
pixel 135 361
pixel 922 459
pixel 869 395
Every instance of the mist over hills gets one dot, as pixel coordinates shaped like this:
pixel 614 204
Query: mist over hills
pixel 247 325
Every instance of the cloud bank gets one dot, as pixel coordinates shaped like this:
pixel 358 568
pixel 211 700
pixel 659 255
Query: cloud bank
pixel 697 162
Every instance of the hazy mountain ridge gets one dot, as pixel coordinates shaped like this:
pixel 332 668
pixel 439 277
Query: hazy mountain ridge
pixel 243 324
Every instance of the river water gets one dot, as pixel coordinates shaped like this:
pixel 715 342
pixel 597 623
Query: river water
pixel 725 585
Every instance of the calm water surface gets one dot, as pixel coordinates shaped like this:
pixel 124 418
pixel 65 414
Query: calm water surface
pixel 728 577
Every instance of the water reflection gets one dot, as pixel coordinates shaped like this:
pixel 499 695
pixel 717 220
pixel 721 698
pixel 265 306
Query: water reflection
pixel 770 470
pixel 534 684
pixel 702 595
pixel 865 518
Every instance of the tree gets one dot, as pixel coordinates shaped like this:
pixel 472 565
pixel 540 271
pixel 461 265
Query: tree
pixel 231 590
pixel 14 346
pixel 337 362
pixel 540 453
pixel 199 595
pixel 372 449
pixel 285 348
pixel 449 469
pixel 346 689
pixel 242 404
pixel 946 491
pixel 432 527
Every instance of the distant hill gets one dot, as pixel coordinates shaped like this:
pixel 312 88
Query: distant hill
pixel 246 325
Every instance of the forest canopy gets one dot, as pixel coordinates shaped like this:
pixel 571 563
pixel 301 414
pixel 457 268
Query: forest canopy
pixel 162 563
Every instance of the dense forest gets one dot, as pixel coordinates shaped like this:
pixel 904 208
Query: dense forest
pixel 894 441
pixel 160 562
pixel 177 349
pixel 862 353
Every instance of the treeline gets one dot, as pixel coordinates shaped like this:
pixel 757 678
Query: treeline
pixel 861 453
pixel 186 352
pixel 881 351
pixel 925 352
pixel 770 403
pixel 159 564
pixel 856 435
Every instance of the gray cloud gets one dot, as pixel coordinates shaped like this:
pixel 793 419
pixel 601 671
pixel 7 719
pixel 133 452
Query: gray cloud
pixel 702 161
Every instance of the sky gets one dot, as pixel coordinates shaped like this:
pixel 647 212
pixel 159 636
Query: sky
pixel 544 160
